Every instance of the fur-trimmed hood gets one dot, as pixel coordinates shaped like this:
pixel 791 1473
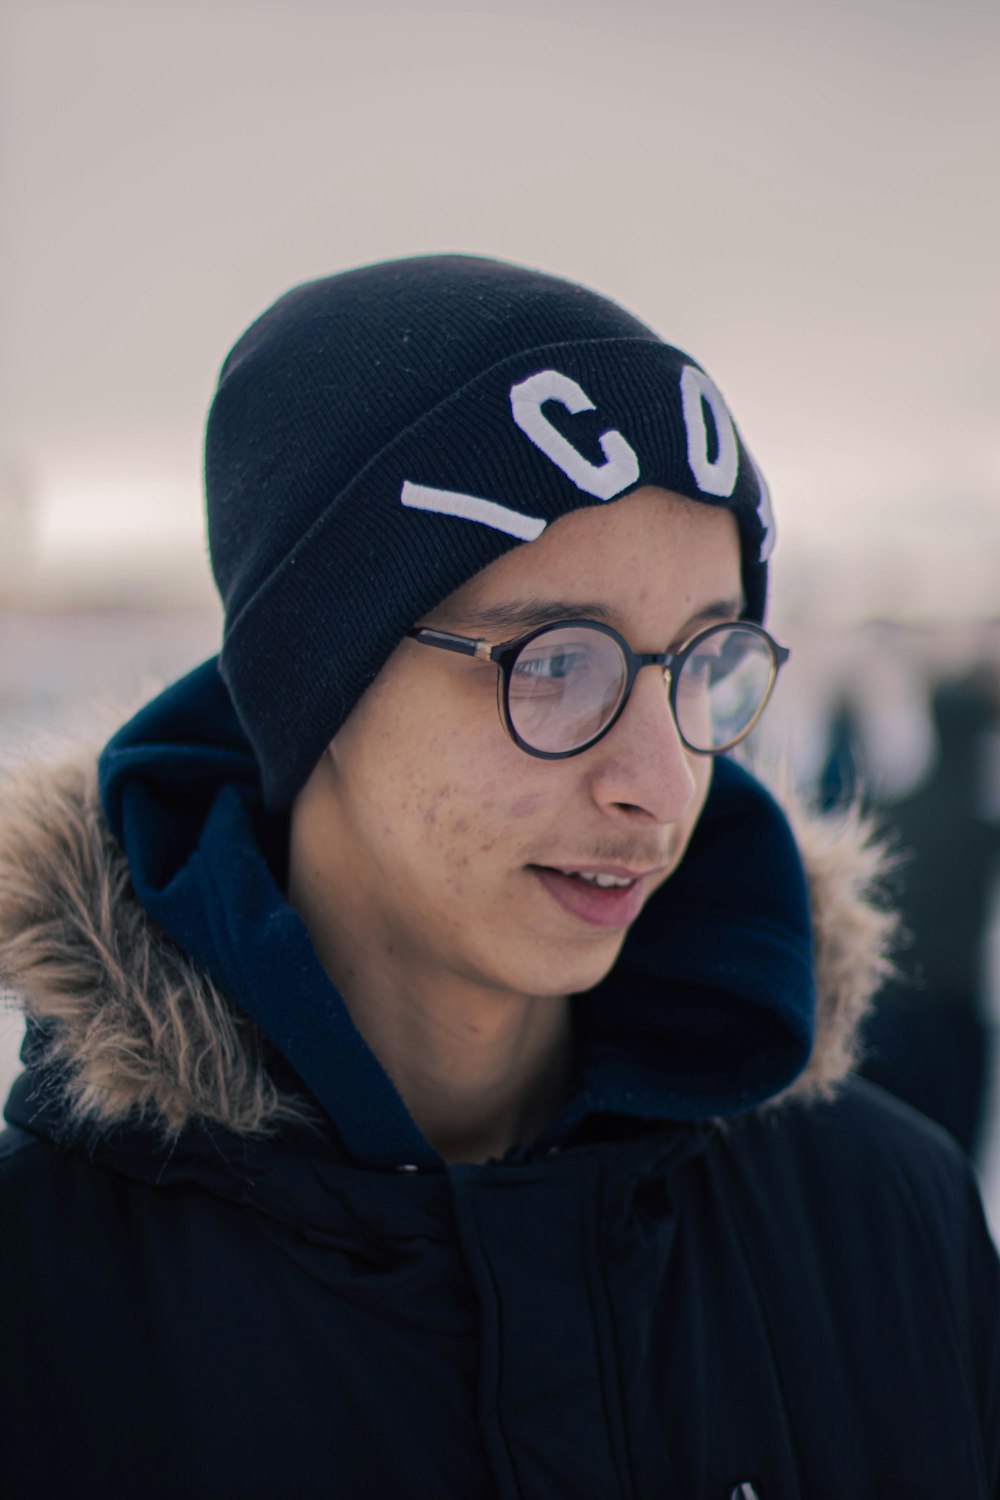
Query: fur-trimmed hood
pixel 134 1027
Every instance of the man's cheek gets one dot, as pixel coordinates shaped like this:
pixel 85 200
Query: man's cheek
pixel 431 810
pixel 531 805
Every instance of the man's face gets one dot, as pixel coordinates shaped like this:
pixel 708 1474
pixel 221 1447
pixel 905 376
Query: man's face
pixel 428 830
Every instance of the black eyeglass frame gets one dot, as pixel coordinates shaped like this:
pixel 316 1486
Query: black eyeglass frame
pixel 505 653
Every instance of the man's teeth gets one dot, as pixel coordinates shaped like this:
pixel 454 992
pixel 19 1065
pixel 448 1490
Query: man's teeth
pixel 602 880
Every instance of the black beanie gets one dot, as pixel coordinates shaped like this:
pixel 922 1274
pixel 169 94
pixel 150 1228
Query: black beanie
pixel 379 436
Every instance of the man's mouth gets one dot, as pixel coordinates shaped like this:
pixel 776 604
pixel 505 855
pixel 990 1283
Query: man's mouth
pixel 602 878
pixel 603 897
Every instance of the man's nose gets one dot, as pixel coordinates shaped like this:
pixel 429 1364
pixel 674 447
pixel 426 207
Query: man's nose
pixel 645 768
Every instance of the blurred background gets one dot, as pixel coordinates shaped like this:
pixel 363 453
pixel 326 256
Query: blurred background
pixel 798 194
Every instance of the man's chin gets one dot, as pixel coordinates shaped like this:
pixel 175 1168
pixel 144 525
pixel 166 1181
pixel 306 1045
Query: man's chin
pixel 583 972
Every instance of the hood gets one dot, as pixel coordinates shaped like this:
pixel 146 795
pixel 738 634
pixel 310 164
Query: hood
pixel 166 980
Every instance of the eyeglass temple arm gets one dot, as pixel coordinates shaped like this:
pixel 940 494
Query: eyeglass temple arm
pixel 463 644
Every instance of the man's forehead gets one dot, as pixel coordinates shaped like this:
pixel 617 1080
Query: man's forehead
pixel 585 566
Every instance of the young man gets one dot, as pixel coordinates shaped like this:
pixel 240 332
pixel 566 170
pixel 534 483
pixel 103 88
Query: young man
pixel 437 1044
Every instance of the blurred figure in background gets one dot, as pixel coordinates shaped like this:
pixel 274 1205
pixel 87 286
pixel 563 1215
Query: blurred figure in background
pixel 920 753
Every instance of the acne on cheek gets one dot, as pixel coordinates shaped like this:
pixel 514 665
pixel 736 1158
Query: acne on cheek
pixel 428 810
pixel 526 807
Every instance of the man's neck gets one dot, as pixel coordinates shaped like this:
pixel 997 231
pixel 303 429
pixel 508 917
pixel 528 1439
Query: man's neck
pixel 479 1070
pixel 478 1074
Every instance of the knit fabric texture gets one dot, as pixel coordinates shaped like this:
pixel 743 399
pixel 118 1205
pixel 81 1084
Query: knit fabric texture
pixel 379 436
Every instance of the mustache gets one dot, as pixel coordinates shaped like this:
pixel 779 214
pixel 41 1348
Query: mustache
pixel 631 854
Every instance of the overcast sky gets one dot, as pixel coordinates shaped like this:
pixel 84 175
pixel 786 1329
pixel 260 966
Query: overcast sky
pixel 802 196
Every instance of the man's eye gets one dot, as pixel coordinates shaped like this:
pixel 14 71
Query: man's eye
pixel 705 667
pixel 701 665
pixel 556 665
pixel 553 667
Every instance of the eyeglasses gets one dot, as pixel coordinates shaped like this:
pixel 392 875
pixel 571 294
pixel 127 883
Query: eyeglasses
pixel 563 686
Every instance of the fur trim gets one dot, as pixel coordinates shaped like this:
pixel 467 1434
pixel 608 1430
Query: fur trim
pixel 854 930
pixel 139 1029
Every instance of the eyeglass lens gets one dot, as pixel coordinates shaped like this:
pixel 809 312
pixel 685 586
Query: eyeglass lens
pixel 567 684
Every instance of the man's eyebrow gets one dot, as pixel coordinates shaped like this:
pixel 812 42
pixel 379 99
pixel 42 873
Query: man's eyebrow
pixel 525 614
pixel 719 609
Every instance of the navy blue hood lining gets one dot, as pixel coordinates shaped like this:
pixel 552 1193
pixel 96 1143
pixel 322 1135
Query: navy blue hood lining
pixel 708 1011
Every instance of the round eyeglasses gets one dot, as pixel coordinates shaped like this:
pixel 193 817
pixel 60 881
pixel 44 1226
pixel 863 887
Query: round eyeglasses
pixel 563 686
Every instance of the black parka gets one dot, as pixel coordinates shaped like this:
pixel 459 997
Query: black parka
pixel 207 1289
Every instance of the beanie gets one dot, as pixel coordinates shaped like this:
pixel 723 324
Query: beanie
pixel 379 436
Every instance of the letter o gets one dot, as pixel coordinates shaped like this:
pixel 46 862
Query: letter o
pixel 717 477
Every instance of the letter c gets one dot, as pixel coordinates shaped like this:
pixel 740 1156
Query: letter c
pixel 603 480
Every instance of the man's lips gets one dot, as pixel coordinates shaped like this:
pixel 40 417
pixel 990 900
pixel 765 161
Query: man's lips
pixel 599 906
pixel 620 872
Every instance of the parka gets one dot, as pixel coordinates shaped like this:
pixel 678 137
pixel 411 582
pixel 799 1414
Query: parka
pixel 231 1266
